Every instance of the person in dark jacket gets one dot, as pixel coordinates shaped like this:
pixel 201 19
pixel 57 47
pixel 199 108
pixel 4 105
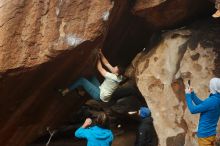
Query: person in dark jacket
pixel 97 135
pixel 209 110
pixel 146 134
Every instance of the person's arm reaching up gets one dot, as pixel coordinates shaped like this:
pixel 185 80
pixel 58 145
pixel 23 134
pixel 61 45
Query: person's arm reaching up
pixel 202 107
pixel 195 98
pixel 82 132
pixel 194 109
pixel 100 68
pixel 105 61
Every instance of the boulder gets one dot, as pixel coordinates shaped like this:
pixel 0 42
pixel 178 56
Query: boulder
pixel 161 74
pixel 163 14
pixel 44 45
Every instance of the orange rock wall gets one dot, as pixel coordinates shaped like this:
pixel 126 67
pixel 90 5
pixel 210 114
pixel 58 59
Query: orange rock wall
pixel 47 44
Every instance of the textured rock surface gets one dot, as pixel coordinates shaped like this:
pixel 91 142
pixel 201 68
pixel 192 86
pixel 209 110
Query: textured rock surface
pixel 141 5
pixel 189 53
pixel 33 29
pixel 127 33
pixel 166 13
pixel 44 44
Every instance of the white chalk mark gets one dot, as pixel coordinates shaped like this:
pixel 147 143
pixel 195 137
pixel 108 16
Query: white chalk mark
pixel 57 11
pixel 73 40
pixel 58 8
pixel 113 3
pixel 105 16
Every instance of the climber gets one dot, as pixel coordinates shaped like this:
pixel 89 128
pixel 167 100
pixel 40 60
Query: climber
pixel 146 134
pixel 217 6
pixel 209 110
pixel 96 131
pixel 100 92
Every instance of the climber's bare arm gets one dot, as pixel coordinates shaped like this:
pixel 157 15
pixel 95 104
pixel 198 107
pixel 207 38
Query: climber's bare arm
pixel 105 61
pixel 100 68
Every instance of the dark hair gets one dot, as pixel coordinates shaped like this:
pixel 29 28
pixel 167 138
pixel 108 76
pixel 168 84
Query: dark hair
pixel 121 70
pixel 102 120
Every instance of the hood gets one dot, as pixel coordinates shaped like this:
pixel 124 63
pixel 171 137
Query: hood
pixel 214 85
pixel 101 133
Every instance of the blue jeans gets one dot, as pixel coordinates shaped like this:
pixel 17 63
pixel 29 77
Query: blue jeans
pixel 91 86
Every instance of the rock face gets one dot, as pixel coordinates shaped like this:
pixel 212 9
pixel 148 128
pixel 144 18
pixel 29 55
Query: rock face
pixel 126 34
pixel 189 53
pixel 33 30
pixel 141 5
pixel 133 23
pixel 47 44
pixel 167 13
pixel 44 44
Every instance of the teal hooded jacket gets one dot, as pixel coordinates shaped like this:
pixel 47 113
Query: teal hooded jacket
pixel 95 135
